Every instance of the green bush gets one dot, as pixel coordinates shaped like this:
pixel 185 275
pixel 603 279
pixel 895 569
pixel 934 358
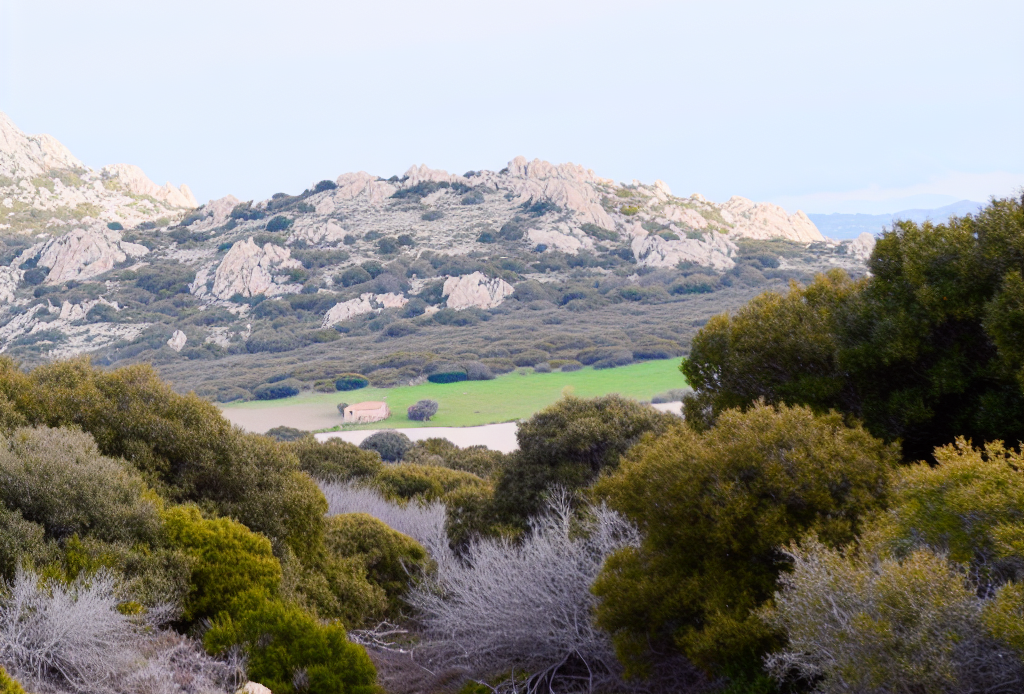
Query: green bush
pixel 282 389
pixel 283 433
pixel 568 445
pixel 422 411
pixel 335 460
pixel 391 445
pixel 353 275
pixel 390 559
pixel 20 541
pixel 288 651
pixel 229 560
pixel 432 215
pixel 115 226
pixel 351 382
pixel 406 481
pixel 479 460
pixel 278 223
pixel 387 246
pixel 713 511
pixel 58 479
pixel 448 377
pixel 9 685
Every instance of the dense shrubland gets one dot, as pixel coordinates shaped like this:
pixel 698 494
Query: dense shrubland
pixel 806 528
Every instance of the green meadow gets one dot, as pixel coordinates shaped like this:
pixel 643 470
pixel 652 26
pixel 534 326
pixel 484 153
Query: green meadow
pixel 511 396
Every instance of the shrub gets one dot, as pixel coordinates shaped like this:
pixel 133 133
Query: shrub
pixel 244 211
pixel 115 226
pixel 432 215
pixel 448 377
pixel 895 626
pixel 486 237
pixel 571 365
pixel 324 186
pixel 476 371
pixel 21 541
pixel 479 460
pixel 621 357
pixel 35 276
pixel 474 197
pixel 354 275
pixel 283 433
pixel 399 329
pixel 282 389
pixel 278 223
pixel 530 357
pixel 424 523
pixel 349 240
pixel 723 504
pixel 58 479
pixel 387 246
pixel 422 411
pixel 525 606
pixel 335 460
pixel 389 558
pixel 289 651
pixel 422 482
pixel 542 368
pixel 405 240
pixel 324 386
pixel 229 560
pixel 568 445
pixel 351 382
pixel 386 378
pixel 391 445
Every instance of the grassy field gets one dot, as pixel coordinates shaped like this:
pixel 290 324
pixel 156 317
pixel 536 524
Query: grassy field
pixel 516 395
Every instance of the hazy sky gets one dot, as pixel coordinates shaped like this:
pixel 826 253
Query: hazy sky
pixel 825 106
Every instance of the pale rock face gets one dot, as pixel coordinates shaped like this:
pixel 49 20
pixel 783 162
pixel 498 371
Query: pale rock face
pixel 539 169
pixel 714 250
pixel 220 209
pixel 763 220
pixel 567 185
pixel 72 312
pixel 177 341
pixel 353 185
pixel 82 254
pixel 133 250
pixel 421 173
pixel 862 246
pixel 475 291
pixel 366 303
pixel 559 239
pixel 135 181
pixel 317 232
pixel 684 216
pixel 253 688
pixel 31 155
pixel 248 269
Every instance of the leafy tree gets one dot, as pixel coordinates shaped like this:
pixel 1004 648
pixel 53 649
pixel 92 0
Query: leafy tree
pixel 714 509
pixel 278 223
pixel 927 349
pixel 568 445
pixel 335 460
pixel 391 445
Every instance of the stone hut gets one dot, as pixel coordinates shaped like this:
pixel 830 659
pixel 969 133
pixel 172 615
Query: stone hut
pixel 370 411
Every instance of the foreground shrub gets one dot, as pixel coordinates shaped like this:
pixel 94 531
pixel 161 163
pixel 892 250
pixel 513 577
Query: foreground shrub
pixel 76 637
pixel 423 410
pixel 406 481
pixel 229 560
pixel 525 606
pixel 289 651
pixel 391 445
pixel 335 460
pixel 856 625
pixel 714 510
pixel 479 460
pixel 568 445
pixel 351 382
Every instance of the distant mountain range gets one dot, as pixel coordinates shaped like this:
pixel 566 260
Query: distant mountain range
pixel 848 226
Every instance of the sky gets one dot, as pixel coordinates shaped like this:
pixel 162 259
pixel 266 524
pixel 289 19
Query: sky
pixel 823 106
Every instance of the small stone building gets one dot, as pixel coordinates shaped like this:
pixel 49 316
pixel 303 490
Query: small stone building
pixel 370 411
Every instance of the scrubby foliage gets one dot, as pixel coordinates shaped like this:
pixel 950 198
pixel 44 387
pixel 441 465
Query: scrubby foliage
pixel 422 410
pixel 390 445
pixel 926 349
pixel 714 510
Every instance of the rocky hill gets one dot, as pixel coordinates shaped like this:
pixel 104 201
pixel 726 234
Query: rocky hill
pixel 536 263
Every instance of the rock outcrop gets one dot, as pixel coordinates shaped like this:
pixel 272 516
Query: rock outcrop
pixel 31 155
pixel 362 184
pixel 136 182
pixel 249 270
pixel 762 220
pixel 862 246
pixel 475 291
pixel 177 341
pixel 567 185
pixel 366 303
pixel 85 253
pixel 712 250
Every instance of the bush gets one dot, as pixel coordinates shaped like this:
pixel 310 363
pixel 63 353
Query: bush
pixel 405 240
pixel 115 226
pixel 622 357
pixel 477 371
pixel 432 215
pixel 423 410
pixel 391 445
pixel 474 197
pixel 567 445
pixel 571 365
pixel 897 626
pixel 282 389
pixel 448 377
pixel 542 368
pixel 283 433
pixel 58 479
pixel 289 651
pixel 388 558
pixel 347 382
pixel 525 606
pixel 387 246
pixel 530 357
pixel 229 560
pixel 278 223
pixel 35 276
pixel 723 504
pixel 324 186
pixel 479 460
pixel 335 460
pixel 353 275
pixel 423 522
